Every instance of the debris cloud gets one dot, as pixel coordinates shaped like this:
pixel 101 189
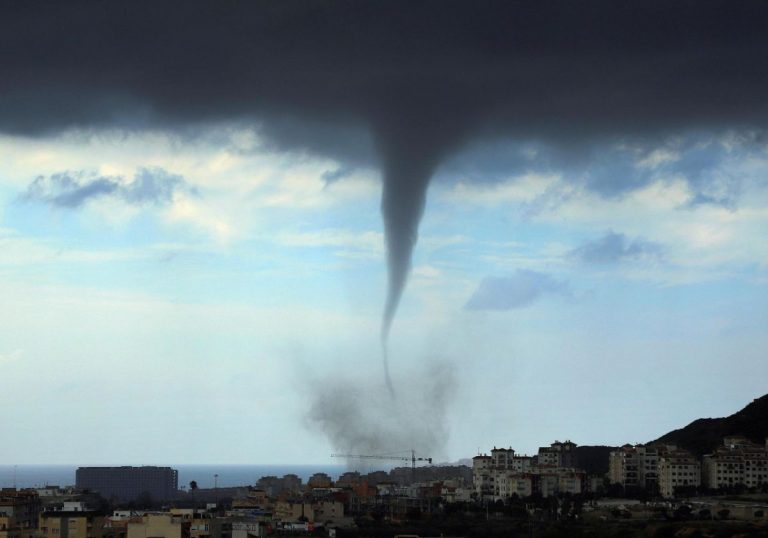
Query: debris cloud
pixel 358 416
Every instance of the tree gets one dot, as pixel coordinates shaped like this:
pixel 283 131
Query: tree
pixel 193 485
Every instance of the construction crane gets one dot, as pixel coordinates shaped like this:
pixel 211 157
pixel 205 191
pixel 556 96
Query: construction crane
pixel 413 459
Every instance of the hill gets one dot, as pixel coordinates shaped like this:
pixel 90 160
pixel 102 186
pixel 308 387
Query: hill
pixel 593 459
pixel 702 436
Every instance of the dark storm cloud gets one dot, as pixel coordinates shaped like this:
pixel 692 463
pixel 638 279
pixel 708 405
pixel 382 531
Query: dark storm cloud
pixel 402 84
pixel 616 247
pixel 615 168
pixel 518 290
pixel 73 189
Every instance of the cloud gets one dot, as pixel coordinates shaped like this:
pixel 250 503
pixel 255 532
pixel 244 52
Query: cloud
pixel 615 247
pixel 367 241
pixel 402 85
pixel 331 176
pixel 498 173
pixel 358 415
pixel 71 190
pixel 519 290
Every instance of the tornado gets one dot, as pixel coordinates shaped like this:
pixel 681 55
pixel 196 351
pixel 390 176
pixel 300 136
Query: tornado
pixel 403 199
pixel 422 76
pixel 410 151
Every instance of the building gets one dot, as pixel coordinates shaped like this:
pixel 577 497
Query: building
pixel 482 481
pixel 349 479
pixel 558 455
pixel 19 513
pixel 319 480
pixel 161 525
pixel 453 491
pixel 315 512
pixel 634 466
pixel 515 484
pixel 274 486
pixel 128 483
pixel 678 469
pixel 504 473
pixel 255 498
pixel 738 462
pixel 62 524
pixel 246 528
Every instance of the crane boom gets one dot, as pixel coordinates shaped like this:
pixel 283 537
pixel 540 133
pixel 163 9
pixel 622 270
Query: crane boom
pixel 413 459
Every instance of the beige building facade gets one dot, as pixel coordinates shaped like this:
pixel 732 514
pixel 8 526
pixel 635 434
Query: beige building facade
pixel 678 469
pixel 634 466
pixel 163 525
pixel 738 462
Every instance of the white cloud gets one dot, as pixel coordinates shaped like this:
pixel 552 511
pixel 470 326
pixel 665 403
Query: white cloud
pixel 205 216
pixel 426 272
pixel 658 157
pixel 224 159
pixel 368 244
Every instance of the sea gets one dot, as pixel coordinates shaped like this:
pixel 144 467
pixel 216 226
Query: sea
pixel 206 476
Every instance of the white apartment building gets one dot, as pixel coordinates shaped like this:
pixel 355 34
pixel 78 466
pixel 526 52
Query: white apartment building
pixel 504 473
pixel 506 459
pixel 482 479
pixel 678 469
pixel 737 462
pixel 511 483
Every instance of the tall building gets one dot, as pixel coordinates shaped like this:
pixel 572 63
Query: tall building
pixel 678 469
pixel 128 483
pixel 634 466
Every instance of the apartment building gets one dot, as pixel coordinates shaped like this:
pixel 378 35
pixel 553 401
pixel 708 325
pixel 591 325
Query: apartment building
pixel 274 486
pixel 512 483
pixel 320 480
pixel 19 512
pixel 678 468
pixel 161 525
pixel 737 462
pixel 558 455
pixel 504 473
pixel 482 482
pixel 71 524
pixel 635 466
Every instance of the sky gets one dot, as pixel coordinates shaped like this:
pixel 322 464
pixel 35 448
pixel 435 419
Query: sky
pixel 208 224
